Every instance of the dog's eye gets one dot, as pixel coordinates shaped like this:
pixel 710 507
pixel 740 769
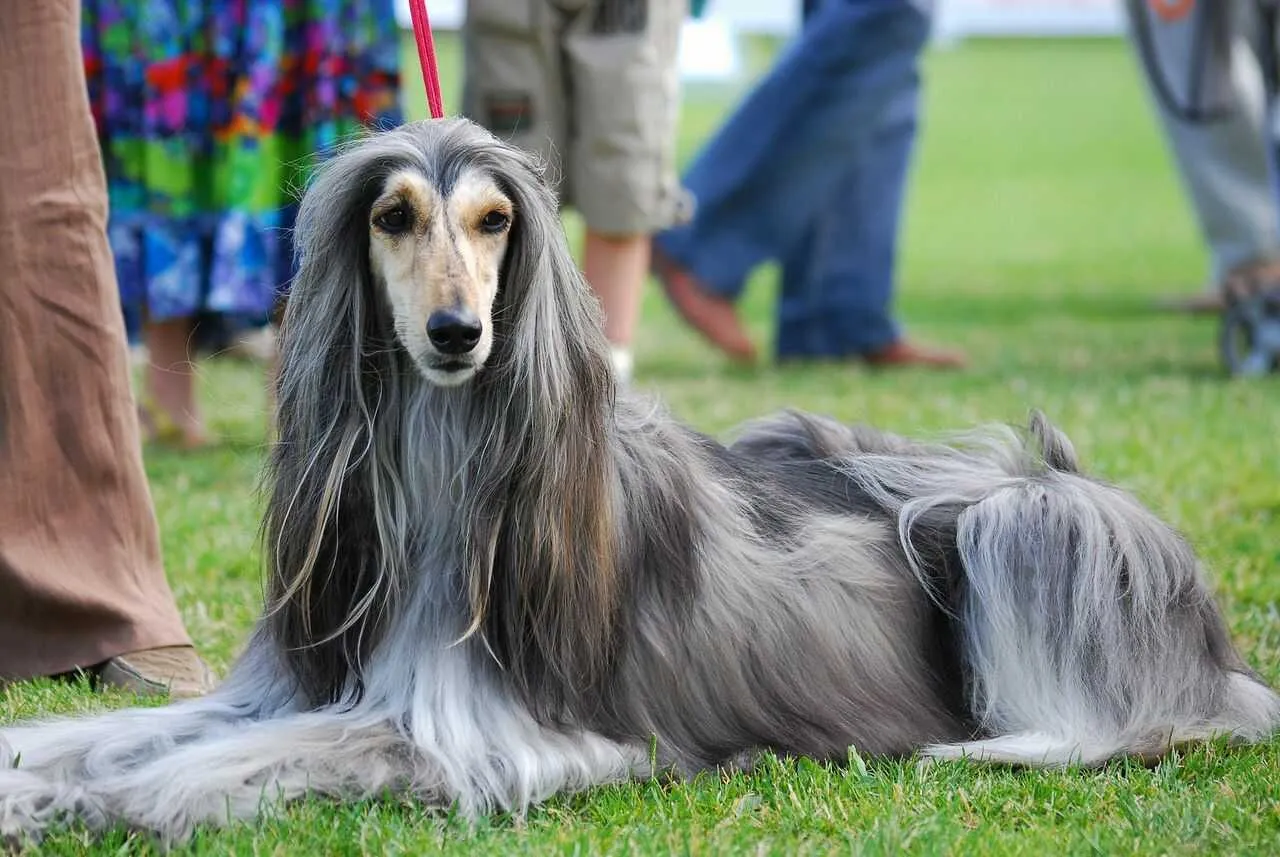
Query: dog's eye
pixel 495 221
pixel 393 220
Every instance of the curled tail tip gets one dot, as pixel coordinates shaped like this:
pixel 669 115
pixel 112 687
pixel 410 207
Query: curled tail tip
pixel 1254 706
pixel 1055 447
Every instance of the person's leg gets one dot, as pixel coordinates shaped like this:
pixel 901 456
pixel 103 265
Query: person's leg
pixel 515 85
pixel 834 300
pixel 768 176
pixel 616 267
pixel 621 64
pixel 1222 148
pixel 81 582
pixel 171 382
pixel 768 168
pixel 838 281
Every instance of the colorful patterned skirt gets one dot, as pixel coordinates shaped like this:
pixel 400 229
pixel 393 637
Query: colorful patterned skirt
pixel 211 113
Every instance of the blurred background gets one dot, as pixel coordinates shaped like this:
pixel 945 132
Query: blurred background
pixel 1042 193
pixel 955 18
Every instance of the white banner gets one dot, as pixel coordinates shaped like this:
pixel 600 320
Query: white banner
pixel 960 18
pixel 444 14
pixel 708 48
pixel 956 18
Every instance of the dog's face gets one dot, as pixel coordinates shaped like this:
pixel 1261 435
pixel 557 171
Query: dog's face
pixel 438 256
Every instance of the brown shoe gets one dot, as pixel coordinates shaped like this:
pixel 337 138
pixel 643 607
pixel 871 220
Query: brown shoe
pixel 1242 280
pixel 903 353
pixel 1207 303
pixel 709 314
pixel 175 670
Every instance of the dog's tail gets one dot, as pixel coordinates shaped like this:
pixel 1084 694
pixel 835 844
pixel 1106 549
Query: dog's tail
pixel 1086 628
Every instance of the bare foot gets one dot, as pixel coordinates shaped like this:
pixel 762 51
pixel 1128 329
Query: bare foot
pixel 171 408
pixel 708 313
pixel 160 429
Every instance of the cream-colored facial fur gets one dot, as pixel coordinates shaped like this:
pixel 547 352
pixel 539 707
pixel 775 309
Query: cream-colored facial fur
pixel 432 252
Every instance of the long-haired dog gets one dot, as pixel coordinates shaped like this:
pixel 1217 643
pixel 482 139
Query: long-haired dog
pixel 494 577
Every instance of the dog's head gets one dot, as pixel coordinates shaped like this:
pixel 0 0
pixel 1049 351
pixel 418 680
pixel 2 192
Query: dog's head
pixel 447 238
pixel 436 250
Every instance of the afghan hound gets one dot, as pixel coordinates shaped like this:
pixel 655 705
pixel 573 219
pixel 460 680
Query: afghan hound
pixel 494 576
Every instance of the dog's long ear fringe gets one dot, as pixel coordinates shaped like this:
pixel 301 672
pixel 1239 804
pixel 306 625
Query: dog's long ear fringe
pixel 330 533
pixel 542 552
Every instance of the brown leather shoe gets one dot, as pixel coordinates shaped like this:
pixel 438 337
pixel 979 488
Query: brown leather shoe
pixel 1242 279
pixel 905 354
pixel 175 670
pixel 1207 303
pixel 709 314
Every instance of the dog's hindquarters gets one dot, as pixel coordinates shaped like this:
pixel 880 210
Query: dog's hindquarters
pixel 1089 633
pixel 1085 627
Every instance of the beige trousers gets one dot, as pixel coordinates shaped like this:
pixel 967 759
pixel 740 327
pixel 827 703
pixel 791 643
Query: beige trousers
pixel 80 573
pixel 593 87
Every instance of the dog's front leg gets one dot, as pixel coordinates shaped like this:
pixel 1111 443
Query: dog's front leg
pixel 235 772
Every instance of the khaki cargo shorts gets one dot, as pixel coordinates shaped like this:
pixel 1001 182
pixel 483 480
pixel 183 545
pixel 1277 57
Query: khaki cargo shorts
pixel 591 86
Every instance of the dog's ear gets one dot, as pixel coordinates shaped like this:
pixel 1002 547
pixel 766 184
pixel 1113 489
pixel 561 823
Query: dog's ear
pixel 330 535
pixel 542 542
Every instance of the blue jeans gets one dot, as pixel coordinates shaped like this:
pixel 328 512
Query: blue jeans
pixel 811 171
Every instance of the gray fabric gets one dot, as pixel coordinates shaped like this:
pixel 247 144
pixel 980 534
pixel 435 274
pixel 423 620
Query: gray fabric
pixel 1218 131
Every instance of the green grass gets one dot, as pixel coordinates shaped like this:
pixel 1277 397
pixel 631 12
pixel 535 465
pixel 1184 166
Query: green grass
pixel 1043 219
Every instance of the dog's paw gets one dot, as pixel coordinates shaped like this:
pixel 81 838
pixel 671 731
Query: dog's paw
pixel 25 803
pixel 30 804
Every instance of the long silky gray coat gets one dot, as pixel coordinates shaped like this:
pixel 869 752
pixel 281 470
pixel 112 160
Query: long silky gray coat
pixel 489 592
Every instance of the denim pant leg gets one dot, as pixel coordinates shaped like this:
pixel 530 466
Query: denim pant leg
pixel 768 172
pixel 837 283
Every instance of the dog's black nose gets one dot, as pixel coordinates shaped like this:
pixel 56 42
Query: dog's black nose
pixel 453 331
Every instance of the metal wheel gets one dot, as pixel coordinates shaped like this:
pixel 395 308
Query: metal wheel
pixel 1250 336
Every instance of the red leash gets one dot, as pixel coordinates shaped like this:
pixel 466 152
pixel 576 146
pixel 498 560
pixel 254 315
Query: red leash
pixel 427 56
